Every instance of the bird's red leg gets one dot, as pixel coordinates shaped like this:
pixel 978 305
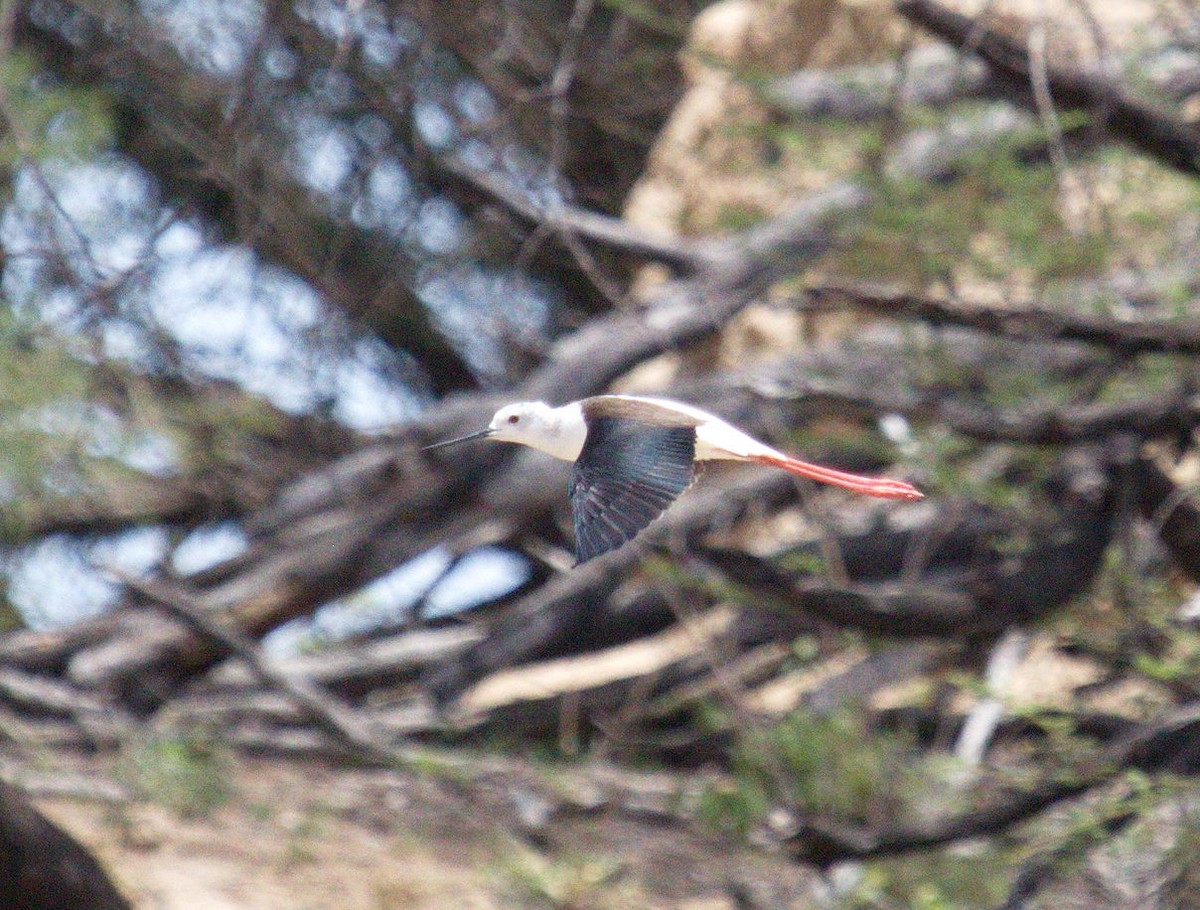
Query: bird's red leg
pixel 882 487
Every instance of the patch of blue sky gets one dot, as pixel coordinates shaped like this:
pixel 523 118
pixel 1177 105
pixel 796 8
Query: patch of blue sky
pixel 366 399
pixel 388 203
pixel 215 35
pixel 384 39
pixel 226 314
pixel 55 583
pixel 105 430
pixel 100 433
pixel 101 216
pixel 110 182
pixel 205 547
pixel 151 453
pixel 334 19
pixel 434 124
pixel 179 238
pixel 473 101
pixel 280 62
pixel 463 303
pixel 481 576
pixel 125 342
pixel 324 155
pixel 233 317
pixel 252 326
pixel 438 228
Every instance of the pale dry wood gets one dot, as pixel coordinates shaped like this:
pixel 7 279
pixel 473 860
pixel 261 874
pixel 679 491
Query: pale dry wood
pixel 362 664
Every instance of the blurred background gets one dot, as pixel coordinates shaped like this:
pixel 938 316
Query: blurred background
pixel 260 650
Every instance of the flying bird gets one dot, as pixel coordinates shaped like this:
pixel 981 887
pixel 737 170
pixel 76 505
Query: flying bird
pixel 634 455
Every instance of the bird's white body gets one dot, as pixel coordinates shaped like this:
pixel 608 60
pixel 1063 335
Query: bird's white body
pixel 561 431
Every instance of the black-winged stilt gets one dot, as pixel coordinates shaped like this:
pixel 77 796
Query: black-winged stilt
pixel 634 455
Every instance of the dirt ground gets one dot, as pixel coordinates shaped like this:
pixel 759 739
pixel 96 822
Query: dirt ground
pixel 301 836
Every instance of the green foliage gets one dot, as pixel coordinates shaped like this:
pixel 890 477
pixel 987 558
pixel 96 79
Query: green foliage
pixel 936 880
pixel 808 562
pixel 10 617
pixel 300 838
pixel 823 764
pixel 1179 664
pixel 45 428
pixel 45 119
pixel 734 218
pixel 647 14
pixel 998 220
pixel 188 774
pixel 562 882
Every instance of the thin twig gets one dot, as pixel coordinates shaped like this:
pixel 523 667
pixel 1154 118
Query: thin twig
pixel 1070 186
pixel 337 720
pixel 1143 126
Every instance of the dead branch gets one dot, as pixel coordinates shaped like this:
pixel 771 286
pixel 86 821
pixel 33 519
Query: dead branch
pixel 929 76
pixel 681 253
pixel 357 531
pixel 574 611
pixel 338 721
pixel 964 586
pixel 1169 336
pixel 823 841
pixel 880 385
pixel 357 667
pixel 1117 110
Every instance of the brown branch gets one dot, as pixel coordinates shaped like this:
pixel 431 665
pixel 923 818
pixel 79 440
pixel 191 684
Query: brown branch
pixel 932 76
pixel 1144 127
pixel 1172 513
pixel 823 841
pixel 339 528
pixel 338 721
pixel 1174 336
pixel 1160 416
pixel 682 254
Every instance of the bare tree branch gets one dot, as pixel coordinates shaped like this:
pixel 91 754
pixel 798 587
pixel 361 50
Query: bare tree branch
pixel 823 841
pixel 1168 336
pixel 1150 130
pixel 339 721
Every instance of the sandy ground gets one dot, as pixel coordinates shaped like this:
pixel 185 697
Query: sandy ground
pixel 296 836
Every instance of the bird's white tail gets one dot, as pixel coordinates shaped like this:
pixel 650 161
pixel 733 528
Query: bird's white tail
pixel 883 487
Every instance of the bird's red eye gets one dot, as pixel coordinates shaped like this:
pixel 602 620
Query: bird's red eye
pixel 513 418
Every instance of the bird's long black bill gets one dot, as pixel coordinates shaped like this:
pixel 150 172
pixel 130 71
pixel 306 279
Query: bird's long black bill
pixel 450 442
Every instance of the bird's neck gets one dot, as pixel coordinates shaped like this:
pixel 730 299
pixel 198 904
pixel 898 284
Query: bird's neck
pixel 560 433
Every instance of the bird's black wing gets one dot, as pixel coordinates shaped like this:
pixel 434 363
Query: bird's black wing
pixel 626 475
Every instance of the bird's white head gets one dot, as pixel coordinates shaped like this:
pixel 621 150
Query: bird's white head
pixel 556 431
